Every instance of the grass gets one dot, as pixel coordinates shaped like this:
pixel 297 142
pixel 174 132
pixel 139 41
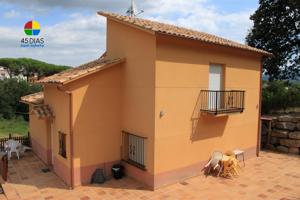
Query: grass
pixel 16 127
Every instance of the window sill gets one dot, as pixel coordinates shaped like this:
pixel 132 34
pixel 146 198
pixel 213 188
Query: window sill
pixel 130 162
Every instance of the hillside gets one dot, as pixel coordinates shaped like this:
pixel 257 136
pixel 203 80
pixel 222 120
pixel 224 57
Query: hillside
pixel 29 67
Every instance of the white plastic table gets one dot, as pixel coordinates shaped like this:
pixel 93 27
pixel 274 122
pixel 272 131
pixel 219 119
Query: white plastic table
pixel 238 153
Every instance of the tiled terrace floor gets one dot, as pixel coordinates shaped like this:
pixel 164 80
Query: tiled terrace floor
pixel 272 176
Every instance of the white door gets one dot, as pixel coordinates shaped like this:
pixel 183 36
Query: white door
pixel 215 84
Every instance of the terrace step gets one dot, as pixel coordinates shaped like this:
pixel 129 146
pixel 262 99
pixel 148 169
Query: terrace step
pixel 10 192
pixel 3 197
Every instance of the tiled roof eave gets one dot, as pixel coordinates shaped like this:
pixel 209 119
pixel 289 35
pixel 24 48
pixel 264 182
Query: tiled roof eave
pixel 265 53
pixel 73 77
pixel 29 103
pixel 33 99
pixel 172 30
pixel 108 65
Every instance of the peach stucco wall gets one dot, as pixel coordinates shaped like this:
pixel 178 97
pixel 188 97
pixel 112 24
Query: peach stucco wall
pixel 39 135
pixel 183 137
pixel 59 103
pixel 109 101
pixel 137 99
pixel 96 122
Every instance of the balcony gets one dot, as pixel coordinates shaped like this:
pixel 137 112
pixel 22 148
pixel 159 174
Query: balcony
pixel 222 102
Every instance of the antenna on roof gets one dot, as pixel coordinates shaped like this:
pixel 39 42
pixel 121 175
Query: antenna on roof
pixel 132 10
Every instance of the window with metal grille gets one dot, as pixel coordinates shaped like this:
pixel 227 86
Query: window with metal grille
pixel 62 144
pixel 133 149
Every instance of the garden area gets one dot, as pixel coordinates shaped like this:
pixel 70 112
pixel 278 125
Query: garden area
pixel 280 97
pixel 16 126
pixel 13 113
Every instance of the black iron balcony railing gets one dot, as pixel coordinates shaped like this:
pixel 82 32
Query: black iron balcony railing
pixel 222 102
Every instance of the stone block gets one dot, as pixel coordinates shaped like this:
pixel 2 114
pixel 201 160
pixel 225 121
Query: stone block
pixel 282 149
pixel 290 142
pixel 294 150
pixel 298 126
pixel 294 135
pixel 271 147
pixel 287 118
pixel 263 138
pixel 279 133
pixel 274 140
pixel 286 125
pixel 297 118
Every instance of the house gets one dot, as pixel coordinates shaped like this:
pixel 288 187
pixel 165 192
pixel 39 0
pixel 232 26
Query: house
pixel 160 100
pixel 3 73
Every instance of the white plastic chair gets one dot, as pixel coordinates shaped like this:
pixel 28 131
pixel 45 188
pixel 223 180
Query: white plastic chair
pixel 214 162
pixel 12 146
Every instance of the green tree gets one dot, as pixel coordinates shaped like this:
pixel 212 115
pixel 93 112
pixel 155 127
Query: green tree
pixel 277 30
pixel 280 95
pixel 11 90
pixel 29 67
pixel 11 66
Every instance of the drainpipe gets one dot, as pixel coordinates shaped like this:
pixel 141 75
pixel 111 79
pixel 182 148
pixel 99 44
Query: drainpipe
pixel 259 111
pixel 69 93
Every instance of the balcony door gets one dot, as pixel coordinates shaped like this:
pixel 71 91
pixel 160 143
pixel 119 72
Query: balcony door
pixel 215 84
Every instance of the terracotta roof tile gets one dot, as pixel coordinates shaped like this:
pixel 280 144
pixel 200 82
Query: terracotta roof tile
pixel 36 98
pixel 43 111
pixel 168 29
pixel 80 71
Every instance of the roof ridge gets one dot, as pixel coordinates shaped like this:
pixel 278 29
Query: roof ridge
pixel 171 29
pixel 181 27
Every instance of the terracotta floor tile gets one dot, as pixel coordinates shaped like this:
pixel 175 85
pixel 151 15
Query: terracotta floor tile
pixel 272 176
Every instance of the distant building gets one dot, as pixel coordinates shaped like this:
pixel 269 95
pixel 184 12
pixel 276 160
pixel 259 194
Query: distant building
pixel 3 73
pixel 33 79
pixel 20 77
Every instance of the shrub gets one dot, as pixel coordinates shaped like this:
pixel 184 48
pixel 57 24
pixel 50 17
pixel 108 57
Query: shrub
pixel 278 95
pixel 11 91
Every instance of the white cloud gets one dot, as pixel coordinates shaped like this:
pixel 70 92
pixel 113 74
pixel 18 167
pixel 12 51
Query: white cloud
pixel 45 5
pixel 202 16
pixel 11 14
pixel 72 42
pixel 81 38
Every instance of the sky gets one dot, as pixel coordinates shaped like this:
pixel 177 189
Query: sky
pixel 75 34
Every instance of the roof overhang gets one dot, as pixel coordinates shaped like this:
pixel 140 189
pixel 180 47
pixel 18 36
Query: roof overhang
pixel 262 53
pixel 147 27
pixel 33 99
pixel 89 72
pixel 36 101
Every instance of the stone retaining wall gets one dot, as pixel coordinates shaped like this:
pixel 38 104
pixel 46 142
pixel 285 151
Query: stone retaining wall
pixel 285 134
